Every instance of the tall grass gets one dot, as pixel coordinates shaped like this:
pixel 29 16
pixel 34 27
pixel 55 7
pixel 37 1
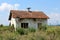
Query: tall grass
pixel 22 31
pixel 51 33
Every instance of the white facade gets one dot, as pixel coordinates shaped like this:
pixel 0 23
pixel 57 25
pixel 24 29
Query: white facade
pixel 31 23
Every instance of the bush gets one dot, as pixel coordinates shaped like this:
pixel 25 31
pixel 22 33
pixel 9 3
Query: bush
pixel 43 27
pixel 22 31
pixel 32 29
pixel 1 25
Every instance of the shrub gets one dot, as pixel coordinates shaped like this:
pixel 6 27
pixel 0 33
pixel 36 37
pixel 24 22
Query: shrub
pixel 26 32
pixel 32 29
pixel 1 25
pixel 22 31
pixel 43 27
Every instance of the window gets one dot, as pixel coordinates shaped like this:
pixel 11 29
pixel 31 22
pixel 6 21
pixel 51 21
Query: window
pixel 24 25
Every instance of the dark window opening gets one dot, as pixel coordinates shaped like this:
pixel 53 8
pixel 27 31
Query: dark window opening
pixel 24 25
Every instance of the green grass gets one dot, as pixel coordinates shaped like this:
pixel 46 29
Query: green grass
pixel 51 33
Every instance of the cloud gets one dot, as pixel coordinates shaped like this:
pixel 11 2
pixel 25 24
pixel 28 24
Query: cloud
pixel 6 6
pixel 4 12
pixel 54 18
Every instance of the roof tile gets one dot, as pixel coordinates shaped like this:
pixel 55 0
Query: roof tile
pixel 27 14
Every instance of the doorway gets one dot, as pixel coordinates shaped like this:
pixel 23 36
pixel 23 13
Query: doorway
pixel 39 25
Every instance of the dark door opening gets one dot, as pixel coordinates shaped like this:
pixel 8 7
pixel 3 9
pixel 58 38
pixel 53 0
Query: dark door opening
pixel 24 25
pixel 39 25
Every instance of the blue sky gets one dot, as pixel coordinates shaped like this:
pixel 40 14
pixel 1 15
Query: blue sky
pixel 49 7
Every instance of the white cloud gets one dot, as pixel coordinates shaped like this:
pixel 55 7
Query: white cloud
pixel 6 6
pixel 4 12
pixel 54 18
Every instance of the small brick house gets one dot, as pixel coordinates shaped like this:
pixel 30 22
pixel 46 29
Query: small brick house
pixel 26 19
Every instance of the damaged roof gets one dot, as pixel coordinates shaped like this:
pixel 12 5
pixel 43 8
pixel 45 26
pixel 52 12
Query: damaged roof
pixel 27 14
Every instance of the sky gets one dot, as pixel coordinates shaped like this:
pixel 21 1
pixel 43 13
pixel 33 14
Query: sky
pixel 50 7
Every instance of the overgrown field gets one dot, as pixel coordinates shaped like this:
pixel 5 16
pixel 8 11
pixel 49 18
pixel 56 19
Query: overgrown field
pixel 49 33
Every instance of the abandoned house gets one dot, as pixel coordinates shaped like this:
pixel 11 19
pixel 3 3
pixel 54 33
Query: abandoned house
pixel 25 19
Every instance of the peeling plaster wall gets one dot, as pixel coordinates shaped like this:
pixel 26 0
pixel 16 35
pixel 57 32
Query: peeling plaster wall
pixel 31 22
